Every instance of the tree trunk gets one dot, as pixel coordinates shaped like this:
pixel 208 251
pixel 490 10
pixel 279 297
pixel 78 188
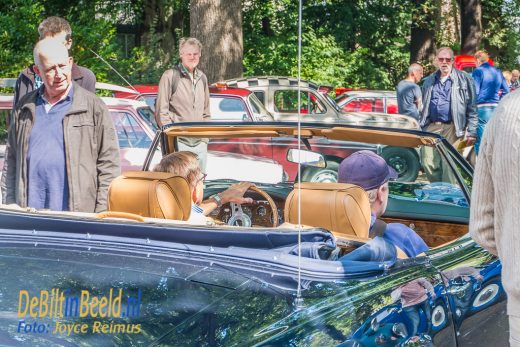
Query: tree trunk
pixel 470 26
pixel 218 26
pixel 449 31
pixel 422 40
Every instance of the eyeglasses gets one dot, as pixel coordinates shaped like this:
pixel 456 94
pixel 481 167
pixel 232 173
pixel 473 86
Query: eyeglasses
pixel 203 178
pixel 444 60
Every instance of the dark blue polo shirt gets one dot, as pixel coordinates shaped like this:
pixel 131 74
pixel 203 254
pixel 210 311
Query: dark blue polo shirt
pixel 47 170
pixel 439 109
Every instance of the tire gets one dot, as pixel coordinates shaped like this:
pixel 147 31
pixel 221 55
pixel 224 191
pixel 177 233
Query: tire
pixel 327 174
pixel 404 161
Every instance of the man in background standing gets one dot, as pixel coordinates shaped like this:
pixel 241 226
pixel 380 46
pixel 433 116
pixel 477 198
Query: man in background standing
pixel 490 86
pixel 409 96
pixel 449 109
pixel 28 80
pixel 183 96
pixel 62 151
pixel 494 201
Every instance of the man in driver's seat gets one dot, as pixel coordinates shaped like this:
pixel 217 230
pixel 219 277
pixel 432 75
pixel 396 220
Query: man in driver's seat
pixel 186 164
pixel 370 171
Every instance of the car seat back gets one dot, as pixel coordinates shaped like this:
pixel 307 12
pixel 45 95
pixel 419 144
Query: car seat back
pixel 151 194
pixel 342 208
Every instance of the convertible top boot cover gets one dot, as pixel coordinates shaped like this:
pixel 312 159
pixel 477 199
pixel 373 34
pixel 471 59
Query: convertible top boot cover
pixel 151 194
pixel 342 208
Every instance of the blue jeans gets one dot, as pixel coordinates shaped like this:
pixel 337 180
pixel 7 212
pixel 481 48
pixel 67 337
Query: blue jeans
pixel 484 115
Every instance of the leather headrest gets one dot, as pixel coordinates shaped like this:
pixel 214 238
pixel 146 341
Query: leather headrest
pixel 151 194
pixel 339 207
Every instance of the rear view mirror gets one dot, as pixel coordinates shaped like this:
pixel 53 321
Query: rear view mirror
pixel 305 157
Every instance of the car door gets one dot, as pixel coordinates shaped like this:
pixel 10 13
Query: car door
pixel 473 278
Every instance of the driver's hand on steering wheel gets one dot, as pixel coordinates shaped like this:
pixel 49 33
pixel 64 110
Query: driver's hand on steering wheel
pixel 236 192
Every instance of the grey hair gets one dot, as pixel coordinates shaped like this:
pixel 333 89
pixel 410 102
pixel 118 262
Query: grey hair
pixel 372 193
pixel 414 68
pixel 445 49
pixel 48 45
pixel 52 26
pixel 189 41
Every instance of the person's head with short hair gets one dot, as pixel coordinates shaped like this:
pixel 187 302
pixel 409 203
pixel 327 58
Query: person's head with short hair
pixel 507 76
pixel 481 57
pixel 185 164
pixel 58 28
pixel 514 75
pixel 190 50
pixel 53 65
pixel 371 172
pixel 415 72
pixel 444 59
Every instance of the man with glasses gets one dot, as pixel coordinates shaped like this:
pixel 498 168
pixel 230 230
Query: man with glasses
pixel 186 164
pixel 62 151
pixel 449 109
pixel 28 80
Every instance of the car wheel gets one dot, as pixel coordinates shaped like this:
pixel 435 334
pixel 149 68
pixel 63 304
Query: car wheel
pixel 439 315
pixel 490 292
pixel 404 161
pixel 328 174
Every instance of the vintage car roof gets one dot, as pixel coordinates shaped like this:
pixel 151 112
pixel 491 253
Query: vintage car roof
pixel 270 81
pixel 391 137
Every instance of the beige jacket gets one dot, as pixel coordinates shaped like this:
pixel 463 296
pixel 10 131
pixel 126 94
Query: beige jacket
pixel 91 151
pixel 189 103
pixel 495 199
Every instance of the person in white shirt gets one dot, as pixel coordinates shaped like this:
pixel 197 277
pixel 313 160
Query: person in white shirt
pixel 186 164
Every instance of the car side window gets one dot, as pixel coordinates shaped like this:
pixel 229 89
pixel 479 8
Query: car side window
pixel 129 133
pixel 287 101
pixel 391 106
pixel 365 105
pixel 228 109
pixel 260 95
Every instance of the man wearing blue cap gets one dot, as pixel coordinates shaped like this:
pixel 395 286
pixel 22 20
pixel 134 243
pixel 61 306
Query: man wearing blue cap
pixel 369 171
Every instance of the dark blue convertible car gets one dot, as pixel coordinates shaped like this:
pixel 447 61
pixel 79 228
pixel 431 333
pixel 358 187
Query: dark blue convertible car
pixel 295 268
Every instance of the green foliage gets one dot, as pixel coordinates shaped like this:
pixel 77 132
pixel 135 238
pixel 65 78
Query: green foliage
pixel 18 31
pixel 360 44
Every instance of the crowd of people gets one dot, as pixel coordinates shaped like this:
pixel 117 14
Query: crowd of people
pixel 62 151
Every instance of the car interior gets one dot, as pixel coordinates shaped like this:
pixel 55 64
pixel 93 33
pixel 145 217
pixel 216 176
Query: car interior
pixel 347 208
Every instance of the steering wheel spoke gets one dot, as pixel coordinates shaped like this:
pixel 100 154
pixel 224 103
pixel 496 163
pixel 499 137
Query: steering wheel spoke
pixel 240 218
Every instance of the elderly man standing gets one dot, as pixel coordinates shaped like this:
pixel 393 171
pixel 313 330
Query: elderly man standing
pixel 183 96
pixel 490 86
pixel 449 109
pixel 494 201
pixel 28 80
pixel 409 97
pixel 62 151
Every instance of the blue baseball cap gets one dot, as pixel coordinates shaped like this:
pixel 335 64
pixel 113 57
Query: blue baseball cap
pixel 365 169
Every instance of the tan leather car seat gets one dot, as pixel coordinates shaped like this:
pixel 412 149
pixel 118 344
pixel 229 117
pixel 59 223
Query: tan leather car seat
pixel 151 194
pixel 342 208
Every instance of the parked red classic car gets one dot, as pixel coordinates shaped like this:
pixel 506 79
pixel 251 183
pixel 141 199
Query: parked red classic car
pixel 226 103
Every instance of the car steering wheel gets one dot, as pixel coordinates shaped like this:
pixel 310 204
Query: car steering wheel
pixel 237 215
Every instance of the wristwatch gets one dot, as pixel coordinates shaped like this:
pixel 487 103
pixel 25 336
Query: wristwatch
pixel 217 199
